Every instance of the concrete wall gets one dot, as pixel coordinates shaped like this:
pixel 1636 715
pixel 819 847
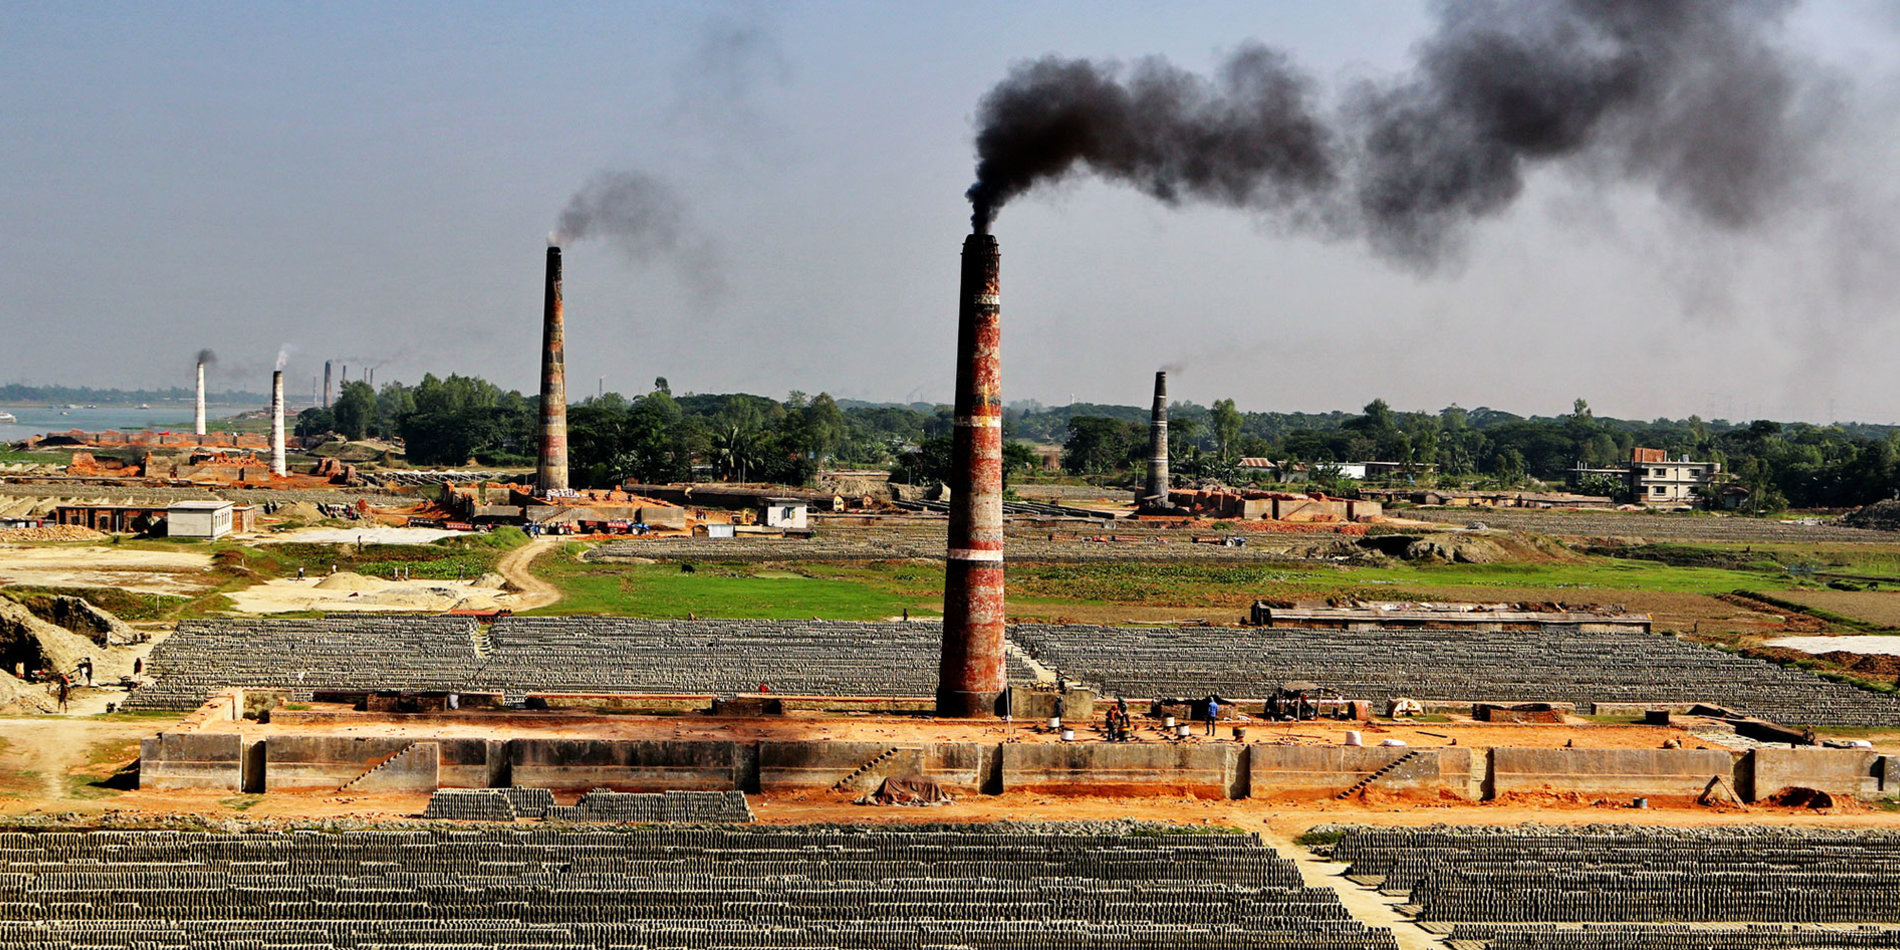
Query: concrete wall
pixel 1609 771
pixel 1078 704
pixel 192 760
pixel 1306 771
pixel 1204 770
pixel 417 768
pixel 966 767
pixel 324 761
pixel 1856 773
pixel 625 765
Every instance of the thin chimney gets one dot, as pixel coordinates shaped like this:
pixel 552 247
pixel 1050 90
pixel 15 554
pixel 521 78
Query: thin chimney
pixel 327 392
pixel 1158 444
pixel 277 466
pixel 971 676
pixel 551 464
pixel 198 413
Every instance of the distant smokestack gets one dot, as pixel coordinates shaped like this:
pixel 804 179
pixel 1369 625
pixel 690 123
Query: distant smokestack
pixel 1158 444
pixel 551 464
pixel 971 676
pixel 198 414
pixel 277 466
pixel 327 391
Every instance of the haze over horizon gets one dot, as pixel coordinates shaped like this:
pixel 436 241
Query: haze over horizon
pixel 373 185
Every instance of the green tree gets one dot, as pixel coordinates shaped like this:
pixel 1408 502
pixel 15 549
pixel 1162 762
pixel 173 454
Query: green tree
pixel 1227 425
pixel 355 410
pixel 1097 445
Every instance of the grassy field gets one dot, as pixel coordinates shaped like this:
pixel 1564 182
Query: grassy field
pixel 866 592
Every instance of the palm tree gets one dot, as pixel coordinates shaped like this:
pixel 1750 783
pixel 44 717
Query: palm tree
pixel 735 449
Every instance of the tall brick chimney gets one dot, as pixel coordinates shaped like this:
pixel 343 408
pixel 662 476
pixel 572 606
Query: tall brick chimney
pixel 198 412
pixel 277 466
pixel 551 462
pixel 971 675
pixel 327 391
pixel 1157 489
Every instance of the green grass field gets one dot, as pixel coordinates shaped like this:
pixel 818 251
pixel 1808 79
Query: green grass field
pixel 857 591
pixel 737 591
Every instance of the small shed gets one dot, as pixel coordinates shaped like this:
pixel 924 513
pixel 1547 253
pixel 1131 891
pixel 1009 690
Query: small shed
pixel 209 520
pixel 784 512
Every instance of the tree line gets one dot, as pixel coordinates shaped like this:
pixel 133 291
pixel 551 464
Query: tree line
pixel 660 436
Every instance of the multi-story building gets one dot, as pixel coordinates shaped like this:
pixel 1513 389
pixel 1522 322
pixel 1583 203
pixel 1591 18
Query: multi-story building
pixel 1657 479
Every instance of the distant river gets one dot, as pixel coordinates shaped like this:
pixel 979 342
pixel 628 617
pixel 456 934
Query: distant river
pixel 39 420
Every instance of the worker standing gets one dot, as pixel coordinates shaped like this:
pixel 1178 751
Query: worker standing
pixel 1213 714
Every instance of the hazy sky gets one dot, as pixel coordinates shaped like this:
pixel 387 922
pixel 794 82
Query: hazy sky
pixel 374 183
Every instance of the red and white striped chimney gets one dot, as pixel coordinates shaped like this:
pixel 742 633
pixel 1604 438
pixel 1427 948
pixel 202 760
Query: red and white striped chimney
pixel 971 674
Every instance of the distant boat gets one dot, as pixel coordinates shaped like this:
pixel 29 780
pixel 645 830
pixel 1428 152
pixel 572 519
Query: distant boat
pixel 6 417
pixel 145 405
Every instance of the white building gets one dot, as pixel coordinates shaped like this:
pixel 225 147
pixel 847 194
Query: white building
pixel 199 519
pixel 784 512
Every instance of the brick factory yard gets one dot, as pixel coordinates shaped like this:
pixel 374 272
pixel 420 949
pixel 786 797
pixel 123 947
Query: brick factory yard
pixel 126 568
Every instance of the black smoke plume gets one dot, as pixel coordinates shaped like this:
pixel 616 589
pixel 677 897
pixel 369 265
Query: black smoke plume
pixel 1246 139
pixel 645 218
pixel 1693 97
pixel 206 357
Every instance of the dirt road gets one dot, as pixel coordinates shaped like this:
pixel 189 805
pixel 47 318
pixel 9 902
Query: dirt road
pixel 534 592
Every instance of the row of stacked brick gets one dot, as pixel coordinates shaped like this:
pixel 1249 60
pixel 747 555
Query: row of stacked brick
pixel 1633 874
pixel 600 804
pixel 489 804
pixel 1673 937
pixel 1559 663
pixel 1050 887
pixel 517 656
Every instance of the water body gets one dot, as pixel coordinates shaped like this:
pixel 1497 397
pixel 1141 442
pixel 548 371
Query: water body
pixel 39 420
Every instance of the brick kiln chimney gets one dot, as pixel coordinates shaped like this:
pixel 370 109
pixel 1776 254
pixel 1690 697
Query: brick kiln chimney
pixel 277 424
pixel 971 675
pixel 1157 491
pixel 551 463
pixel 198 413
pixel 326 384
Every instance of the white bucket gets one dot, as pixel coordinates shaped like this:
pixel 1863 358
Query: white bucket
pixel 1354 738
pixel 1055 722
pixel 1068 735
pixel 1182 730
pixel 1167 722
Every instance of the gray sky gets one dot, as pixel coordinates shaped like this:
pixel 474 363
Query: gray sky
pixel 374 183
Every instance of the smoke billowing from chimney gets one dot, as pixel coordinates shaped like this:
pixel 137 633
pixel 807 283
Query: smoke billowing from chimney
pixel 1250 137
pixel 283 357
pixel 1695 98
pixel 647 220
pixel 551 454
pixel 207 358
